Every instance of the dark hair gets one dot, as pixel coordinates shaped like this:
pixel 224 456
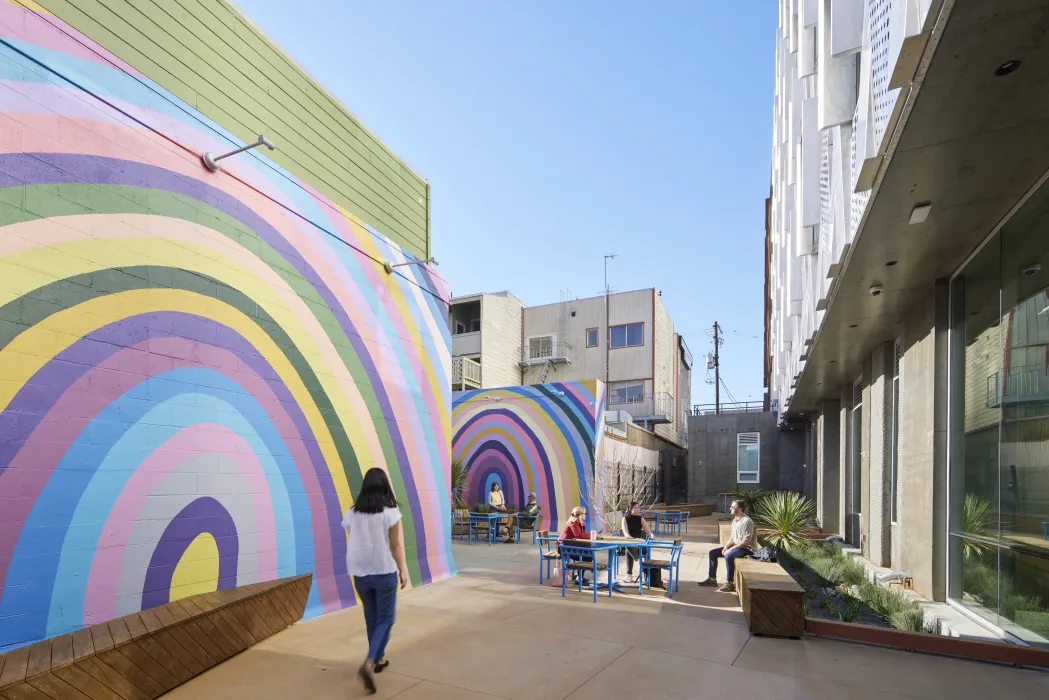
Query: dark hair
pixel 632 504
pixel 376 493
pixel 739 504
pixel 495 485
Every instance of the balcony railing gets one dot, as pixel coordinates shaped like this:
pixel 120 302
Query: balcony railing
pixel 709 409
pixel 466 373
pixel 537 353
pixel 1025 383
pixel 651 408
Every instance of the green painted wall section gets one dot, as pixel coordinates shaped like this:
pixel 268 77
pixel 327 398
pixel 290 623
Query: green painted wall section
pixel 208 54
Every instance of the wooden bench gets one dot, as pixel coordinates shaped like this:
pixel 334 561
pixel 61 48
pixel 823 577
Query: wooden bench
pixel 771 599
pixel 143 655
pixel 724 530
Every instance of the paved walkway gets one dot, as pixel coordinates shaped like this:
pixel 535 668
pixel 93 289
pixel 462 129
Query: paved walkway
pixel 493 632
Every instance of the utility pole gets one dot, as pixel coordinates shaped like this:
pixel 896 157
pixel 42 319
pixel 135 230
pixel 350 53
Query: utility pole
pixel 608 331
pixel 717 371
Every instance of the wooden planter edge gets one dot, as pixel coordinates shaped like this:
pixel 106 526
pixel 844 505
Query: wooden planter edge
pixel 1012 654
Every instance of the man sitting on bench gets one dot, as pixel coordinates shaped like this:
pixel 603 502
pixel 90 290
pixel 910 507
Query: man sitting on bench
pixel 740 544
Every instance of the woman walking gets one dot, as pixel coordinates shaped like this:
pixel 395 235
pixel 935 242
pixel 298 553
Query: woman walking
pixel 375 559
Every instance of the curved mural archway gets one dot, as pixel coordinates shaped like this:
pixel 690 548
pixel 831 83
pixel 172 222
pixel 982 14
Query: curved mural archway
pixel 544 438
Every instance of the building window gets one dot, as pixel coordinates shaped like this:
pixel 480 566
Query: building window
pixel 620 393
pixel 591 337
pixel 630 335
pixel 475 325
pixel 748 458
pixel 893 492
pixel 541 346
pixel 460 328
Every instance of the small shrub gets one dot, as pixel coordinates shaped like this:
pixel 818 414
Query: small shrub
pixel 784 516
pixel 910 619
pixel 481 508
pixel 850 611
pixel 459 490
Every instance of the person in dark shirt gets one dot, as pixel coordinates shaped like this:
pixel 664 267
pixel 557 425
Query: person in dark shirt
pixel 634 525
pixel 524 518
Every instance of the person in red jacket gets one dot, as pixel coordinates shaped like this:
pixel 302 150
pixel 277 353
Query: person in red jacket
pixel 575 529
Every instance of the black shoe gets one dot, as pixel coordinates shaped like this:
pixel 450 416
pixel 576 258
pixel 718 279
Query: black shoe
pixel 367 680
pixel 709 582
pixel 381 666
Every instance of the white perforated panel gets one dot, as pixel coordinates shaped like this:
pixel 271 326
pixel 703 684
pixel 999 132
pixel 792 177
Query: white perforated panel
pixel 878 12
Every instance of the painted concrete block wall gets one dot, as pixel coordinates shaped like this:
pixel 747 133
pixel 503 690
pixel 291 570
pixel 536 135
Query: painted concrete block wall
pixel 196 368
pixel 500 339
pixel 546 438
pixel 216 61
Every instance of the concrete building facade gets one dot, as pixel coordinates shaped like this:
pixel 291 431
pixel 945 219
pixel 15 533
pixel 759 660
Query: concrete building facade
pixel 907 269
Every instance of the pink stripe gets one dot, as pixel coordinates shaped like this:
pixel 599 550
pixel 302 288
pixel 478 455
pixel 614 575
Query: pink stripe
pixel 527 452
pixel 108 562
pixel 26 25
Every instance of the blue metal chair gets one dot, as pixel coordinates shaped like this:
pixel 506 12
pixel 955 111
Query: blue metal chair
pixel 548 553
pixel 1045 529
pixel 672 565
pixel 672 522
pixel 478 523
pixel 522 523
pixel 459 520
pixel 685 515
pixel 572 558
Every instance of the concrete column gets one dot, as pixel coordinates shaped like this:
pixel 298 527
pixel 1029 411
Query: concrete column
pixel 923 444
pixel 828 466
pixel 877 506
pixel 863 520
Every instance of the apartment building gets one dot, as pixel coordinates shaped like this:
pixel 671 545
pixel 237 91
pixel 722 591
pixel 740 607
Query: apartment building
pixel 907 318
pixel 626 340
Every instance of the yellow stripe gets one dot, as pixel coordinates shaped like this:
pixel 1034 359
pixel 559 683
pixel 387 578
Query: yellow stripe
pixel 32 349
pixel 22 272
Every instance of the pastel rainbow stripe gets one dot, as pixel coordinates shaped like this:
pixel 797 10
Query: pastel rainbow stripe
pixel 189 355
pixel 542 438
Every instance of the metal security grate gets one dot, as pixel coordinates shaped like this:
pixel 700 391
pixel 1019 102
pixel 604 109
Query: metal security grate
pixel 878 13
pixel 857 393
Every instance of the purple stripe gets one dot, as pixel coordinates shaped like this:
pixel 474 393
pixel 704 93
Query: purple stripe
pixel 200 516
pixel 51 168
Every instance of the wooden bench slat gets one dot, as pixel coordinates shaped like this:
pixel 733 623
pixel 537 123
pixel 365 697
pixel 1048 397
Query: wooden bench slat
pixel 15 666
pixel 142 655
pixel 772 601
pixel 54 687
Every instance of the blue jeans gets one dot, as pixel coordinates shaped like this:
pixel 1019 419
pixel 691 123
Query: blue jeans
pixel 730 561
pixel 379 597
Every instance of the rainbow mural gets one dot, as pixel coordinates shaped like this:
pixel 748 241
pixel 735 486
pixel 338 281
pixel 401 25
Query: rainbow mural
pixel 196 368
pixel 545 438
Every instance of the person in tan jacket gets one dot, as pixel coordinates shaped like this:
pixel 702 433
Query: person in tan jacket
pixel 740 544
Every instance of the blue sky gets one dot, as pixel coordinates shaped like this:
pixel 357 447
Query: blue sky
pixel 553 132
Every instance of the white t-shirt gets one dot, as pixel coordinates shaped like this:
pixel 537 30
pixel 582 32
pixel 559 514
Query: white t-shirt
pixel 368 542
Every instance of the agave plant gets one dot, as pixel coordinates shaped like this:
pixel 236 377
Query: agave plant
pixel 784 517
pixel 459 490
pixel 976 521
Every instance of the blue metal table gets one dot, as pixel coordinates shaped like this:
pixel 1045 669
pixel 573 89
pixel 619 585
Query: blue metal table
pixel 492 519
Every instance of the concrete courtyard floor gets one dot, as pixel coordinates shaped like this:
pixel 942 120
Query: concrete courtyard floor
pixel 493 632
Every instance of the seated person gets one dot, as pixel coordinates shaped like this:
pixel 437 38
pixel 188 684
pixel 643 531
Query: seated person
pixel 525 517
pixel 740 544
pixel 634 525
pixel 496 501
pixel 575 529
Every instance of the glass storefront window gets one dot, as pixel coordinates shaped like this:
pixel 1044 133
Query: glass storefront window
pixel 999 491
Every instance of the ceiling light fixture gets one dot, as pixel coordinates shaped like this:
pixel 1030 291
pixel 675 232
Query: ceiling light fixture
pixel 1032 270
pixel 1007 68
pixel 211 161
pixel 854 325
pixel 891 263
pixel 920 213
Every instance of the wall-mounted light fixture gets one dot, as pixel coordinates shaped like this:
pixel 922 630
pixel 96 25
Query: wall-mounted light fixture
pixel 211 161
pixel 391 266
